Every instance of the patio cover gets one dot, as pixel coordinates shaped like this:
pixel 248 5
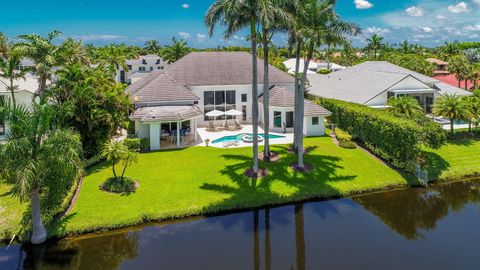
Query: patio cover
pixel 167 113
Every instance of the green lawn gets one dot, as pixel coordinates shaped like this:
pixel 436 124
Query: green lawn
pixel 11 212
pixel 201 180
pixel 455 160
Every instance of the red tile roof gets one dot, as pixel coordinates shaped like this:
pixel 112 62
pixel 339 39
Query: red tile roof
pixel 452 80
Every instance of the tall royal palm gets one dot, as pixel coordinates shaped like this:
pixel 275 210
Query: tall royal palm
pixel 177 50
pixel 452 107
pixel 319 24
pixel 113 57
pixel 44 53
pixel 36 157
pixel 236 15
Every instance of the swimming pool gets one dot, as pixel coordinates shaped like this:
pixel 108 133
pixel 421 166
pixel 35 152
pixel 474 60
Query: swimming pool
pixel 238 137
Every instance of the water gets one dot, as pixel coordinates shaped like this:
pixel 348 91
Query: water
pixel 239 137
pixel 422 229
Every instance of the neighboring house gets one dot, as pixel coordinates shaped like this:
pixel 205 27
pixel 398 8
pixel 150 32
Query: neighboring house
pixel 441 67
pixel 372 83
pixel 313 67
pixel 24 95
pixel 139 68
pixel 200 82
pixel 451 79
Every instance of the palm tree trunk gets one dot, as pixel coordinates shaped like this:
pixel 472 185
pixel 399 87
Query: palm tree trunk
pixel 266 97
pixel 12 92
pixel 39 233
pixel 123 172
pixel 113 169
pixel 254 93
pixel 451 126
pixel 301 106
pixel 297 91
pixel 42 85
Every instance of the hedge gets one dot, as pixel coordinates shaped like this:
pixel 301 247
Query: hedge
pixel 395 139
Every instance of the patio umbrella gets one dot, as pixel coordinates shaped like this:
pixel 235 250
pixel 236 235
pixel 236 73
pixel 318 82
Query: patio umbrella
pixel 215 114
pixel 233 112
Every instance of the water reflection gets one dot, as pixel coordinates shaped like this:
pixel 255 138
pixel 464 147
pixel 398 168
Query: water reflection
pixel 337 234
pixel 409 211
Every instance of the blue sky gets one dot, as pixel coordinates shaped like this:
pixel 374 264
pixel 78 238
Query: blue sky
pixel 428 22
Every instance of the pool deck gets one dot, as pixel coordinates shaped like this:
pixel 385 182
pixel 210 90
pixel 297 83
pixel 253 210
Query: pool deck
pixel 214 135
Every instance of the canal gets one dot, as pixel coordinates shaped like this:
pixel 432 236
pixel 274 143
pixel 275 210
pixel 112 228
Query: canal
pixel 435 228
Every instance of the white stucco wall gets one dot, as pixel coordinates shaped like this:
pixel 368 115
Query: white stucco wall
pixel 313 130
pixel 21 97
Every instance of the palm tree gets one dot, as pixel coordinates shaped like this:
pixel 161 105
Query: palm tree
pixel 319 24
pixel 451 107
pixel 113 57
pixel 9 71
pixel 458 66
pixel 72 51
pixel 375 44
pixel 177 50
pixel 405 47
pixel 44 53
pixel 35 156
pixel 273 17
pixel 3 44
pixel 235 15
pixel 451 48
pixel 117 152
pixel 405 105
pixel 152 46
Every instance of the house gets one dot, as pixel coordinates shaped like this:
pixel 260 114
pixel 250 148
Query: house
pixel 23 95
pixel 170 100
pixel 372 83
pixel 313 67
pixel 451 79
pixel 441 67
pixel 140 67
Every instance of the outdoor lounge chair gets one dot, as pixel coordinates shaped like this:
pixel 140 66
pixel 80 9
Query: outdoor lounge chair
pixel 237 125
pixel 211 126
pixel 226 126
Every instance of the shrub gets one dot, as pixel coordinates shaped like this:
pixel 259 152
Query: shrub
pixel 130 127
pixel 324 71
pixel 397 140
pixel 116 185
pixel 347 144
pixel 344 139
pixel 144 145
pixel 133 144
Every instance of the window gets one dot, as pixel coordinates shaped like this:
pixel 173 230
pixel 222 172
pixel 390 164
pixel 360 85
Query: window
pixel 159 68
pixel 277 119
pixel 158 62
pixel 141 68
pixel 129 67
pixel 220 101
pixel 151 68
pixel 289 120
pixel 122 76
pixel 244 97
pixel 244 113
pixel 315 121
pixel 2 122
pixel 144 61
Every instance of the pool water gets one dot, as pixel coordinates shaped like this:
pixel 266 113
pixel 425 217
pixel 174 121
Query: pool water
pixel 239 137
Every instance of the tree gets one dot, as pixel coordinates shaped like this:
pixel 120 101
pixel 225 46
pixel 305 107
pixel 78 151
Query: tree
pixel 458 66
pixel 375 44
pixel 9 70
pixel 177 50
pixel 152 46
pixel 405 105
pixel 235 15
pixel 405 47
pixel 451 107
pixel 451 48
pixel 35 156
pixel 44 53
pixel 113 57
pixel 117 152
pixel 3 44
pixel 72 51
pixel 90 101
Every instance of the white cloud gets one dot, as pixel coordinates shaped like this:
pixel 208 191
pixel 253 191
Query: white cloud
pixel 363 4
pixel 415 11
pixel 475 27
pixel 440 17
pixel 184 35
pixel 458 8
pixel 201 37
pixel 98 37
pixel 426 29
pixel 185 6
pixel 477 2
pixel 376 30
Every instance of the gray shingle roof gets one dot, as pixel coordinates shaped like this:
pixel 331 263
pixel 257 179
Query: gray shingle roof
pixel 159 87
pixel 282 97
pixel 444 88
pixel 167 113
pixel 364 81
pixel 221 68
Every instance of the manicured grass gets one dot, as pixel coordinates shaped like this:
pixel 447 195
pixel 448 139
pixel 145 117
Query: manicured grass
pixel 11 212
pixel 201 180
pixel 455 160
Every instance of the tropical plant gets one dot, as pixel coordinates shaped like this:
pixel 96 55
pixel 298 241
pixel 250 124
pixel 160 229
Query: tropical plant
pixel 452 107
pixel 3 44
pixel 44 53
pixel 405 47
pixel 405 105
pixel 235 15
pixel 72 51
pixel 177 50
pixel 112 58
pixel 10 72
pixel 37 157
pixel 375 44
pixel 90 101
pixel 473 55
pixel 459 66
pixel 117 152
pixel 152 46
pixel 451 48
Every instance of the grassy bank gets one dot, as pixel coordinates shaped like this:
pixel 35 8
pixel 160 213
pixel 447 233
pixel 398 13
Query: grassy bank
pixel 200 180
pixel 455 160
pixel 11 212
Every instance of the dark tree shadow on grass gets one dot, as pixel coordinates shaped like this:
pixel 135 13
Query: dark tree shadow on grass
pixel 435 165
